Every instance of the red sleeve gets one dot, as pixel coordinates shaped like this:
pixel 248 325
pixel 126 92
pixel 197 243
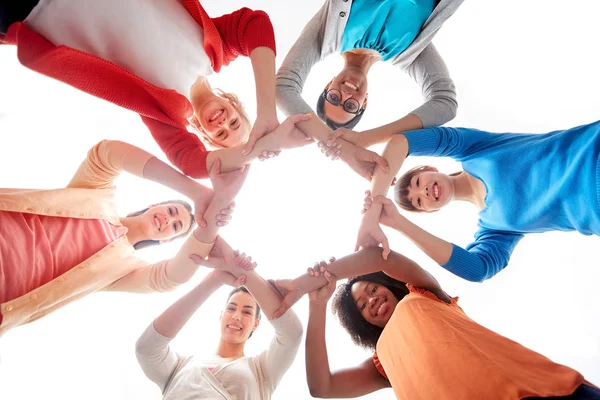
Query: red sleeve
pixel 183 149
pixel 379 366
pixel 245 30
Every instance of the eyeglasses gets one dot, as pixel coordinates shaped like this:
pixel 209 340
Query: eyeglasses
pixel 334 97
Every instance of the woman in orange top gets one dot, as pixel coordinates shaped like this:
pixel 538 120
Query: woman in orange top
pixel 59 245
pixel 425 346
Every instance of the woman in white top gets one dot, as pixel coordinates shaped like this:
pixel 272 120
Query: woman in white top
pixel 230 374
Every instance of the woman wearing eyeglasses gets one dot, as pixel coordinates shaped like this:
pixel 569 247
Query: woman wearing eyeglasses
pixel 154 57
pixel 365 32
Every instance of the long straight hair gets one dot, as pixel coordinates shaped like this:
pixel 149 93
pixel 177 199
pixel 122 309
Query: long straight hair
pixel 147 243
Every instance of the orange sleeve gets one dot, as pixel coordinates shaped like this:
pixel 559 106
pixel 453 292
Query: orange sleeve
pixel 379 366
pixel 184 149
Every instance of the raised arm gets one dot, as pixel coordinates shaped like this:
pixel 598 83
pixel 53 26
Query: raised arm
pixel 157 359
pixel 322 382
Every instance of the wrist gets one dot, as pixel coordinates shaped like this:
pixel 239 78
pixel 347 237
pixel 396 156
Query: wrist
pixel 211 281
pixel 318 304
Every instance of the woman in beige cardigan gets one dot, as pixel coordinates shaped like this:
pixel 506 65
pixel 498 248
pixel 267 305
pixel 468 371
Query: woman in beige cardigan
pixel 59 245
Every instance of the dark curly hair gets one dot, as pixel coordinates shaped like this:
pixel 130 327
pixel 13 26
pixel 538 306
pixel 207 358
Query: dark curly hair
pixel 362 332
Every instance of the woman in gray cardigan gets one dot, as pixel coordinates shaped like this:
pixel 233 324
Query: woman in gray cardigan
pixel 398 31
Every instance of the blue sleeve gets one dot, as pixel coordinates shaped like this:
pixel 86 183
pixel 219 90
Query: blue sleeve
pixel 483 258
pixel 448 142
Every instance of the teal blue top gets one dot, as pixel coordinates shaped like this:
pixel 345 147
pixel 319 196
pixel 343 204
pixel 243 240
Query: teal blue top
pixel 534 183
pixel 387 26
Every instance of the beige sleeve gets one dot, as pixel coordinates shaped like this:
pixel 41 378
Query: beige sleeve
pixel 105 161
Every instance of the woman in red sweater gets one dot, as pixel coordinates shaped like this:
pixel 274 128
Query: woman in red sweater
pixel 153 57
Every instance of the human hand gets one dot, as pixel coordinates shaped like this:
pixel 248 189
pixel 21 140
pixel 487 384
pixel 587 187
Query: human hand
pixel 389 213
pixel 362 161
pixel 268 154
pixel 371 235
pixel 288 136
pixel 321 296
pixel 334 151
pixel 261 127
pixel 223 257
pixel 225 215
pixel 347 134
pixel 290 293
pixel 227 279
pixel 228 184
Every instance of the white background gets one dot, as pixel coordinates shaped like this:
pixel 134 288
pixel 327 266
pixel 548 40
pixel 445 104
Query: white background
pixel 518 66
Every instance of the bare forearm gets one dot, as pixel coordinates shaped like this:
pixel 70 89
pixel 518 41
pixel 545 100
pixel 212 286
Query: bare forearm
pixel 437 249
pixel 367 261
pixel 395 152
pixel 232 157
pixel 265 295
pixel 315 128
pixel 159 172
pixel 384 133
pixel 170 322
pixel 318 373
pixel 209 233
pixel 263 65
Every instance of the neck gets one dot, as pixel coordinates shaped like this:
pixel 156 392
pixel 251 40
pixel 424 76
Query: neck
pixel 361 59
pixel 464 188
pixel 134 231
pixel 200 91
pixel 230 350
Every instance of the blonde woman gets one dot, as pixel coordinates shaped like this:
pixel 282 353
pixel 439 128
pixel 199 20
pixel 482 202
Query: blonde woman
pixel 153 57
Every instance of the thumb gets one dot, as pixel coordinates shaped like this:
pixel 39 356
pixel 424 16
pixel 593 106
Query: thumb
pixel 239 281
pixel 299 118
pixel 382 162
pixel 249 144
pixel 382 200
pixel 198 260
pixel 386 248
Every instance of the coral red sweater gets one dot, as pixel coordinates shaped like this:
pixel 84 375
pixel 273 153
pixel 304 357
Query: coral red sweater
pixel 165 112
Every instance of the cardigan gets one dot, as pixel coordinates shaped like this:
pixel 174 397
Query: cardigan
pixel 90 195
pixel 165 112
pixel 534 183
pixel 322 36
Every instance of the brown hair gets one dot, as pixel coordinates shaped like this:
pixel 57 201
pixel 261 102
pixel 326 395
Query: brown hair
pixel 236 104
pixel 401 187
pixel 147 243
pixel 362 332
pixel 245 290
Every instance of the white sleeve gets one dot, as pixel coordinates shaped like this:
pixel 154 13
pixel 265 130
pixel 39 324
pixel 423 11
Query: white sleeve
pixel 278 358
pixel 157 359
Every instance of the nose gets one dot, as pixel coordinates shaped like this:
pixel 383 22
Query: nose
pixel 372 301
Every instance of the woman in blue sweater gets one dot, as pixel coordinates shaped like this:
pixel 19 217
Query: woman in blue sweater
pixel 520 183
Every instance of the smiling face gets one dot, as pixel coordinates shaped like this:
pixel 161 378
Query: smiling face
pixel 219 120
pixel 165 221
pixel 350 83
pixel 375 302
pixel 430 190
pixel 239 319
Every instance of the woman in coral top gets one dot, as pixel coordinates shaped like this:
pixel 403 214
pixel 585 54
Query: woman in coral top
pixel 425 346
pixel 153 57
pixel 59 245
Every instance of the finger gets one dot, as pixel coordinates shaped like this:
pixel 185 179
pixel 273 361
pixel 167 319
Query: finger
pixel 227 211
pixel 368 201
pixel 240 281
pixel 367 193
pixel 315 269
pixel 299 118
pixel 356 246
pixel 331 281
pixel 251 266
pixel 232 205
pixel 382 200
pixel 386 248
pixel 320 144
pixel 250 144
pixel 331 259
pixel 202 222
pixel 382 162
pixel 223 217
pixel 222 223
pixel 239 258
pixel 247 261
pixel 309 271
pixel 322 266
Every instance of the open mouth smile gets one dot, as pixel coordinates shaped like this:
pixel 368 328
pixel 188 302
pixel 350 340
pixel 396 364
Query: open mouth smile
pixel 216 115
pixel 350 85
pixel 436 191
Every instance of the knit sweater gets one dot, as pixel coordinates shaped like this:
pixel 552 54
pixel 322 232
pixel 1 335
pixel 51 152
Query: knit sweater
pixel 534 183
pixel 164 111
pixel 322 36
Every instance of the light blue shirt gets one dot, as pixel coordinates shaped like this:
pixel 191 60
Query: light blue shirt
pixel 534 183
pixel 387 26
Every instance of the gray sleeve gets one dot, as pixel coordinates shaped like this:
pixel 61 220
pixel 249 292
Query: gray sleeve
pixel 294 70
pixel 157 359
pixel 278 358
pixel 431 74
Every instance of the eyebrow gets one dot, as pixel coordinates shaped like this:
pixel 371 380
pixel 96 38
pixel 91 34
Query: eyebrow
pixel 235 304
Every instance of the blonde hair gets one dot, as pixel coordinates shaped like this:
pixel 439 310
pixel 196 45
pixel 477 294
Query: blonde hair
pixel 236 104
